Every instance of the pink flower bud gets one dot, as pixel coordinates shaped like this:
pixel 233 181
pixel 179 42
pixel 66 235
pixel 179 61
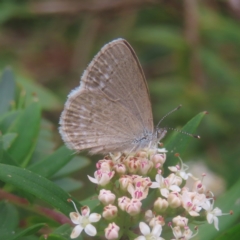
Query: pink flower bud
pixel 133 207
pixel 133 164
pixel 110 212
pixel 142 154
pixel 120 168
pixel 157 220
pixel 111 232
pixel 160 205
pixel 123 202
pixel 199 187
pixel 180 221
pixel 105 165
pixel 174 200
pixel 159 158
pixel 144 166
pixel 106 197
pixel 124 181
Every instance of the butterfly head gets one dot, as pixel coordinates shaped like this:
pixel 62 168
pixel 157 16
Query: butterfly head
pixel 161 132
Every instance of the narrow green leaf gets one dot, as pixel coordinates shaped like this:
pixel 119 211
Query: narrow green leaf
pixel 54 237
pixel 27 127
pixel 8 139
pixel 61 233
pixel 7 90
pixel 8 119
pixel 37 185
pixel 228 201
pixel 68 184
pixel 92 202
pixel 50 165
pixel 28 231
pixel 179 142
pixel 232 233
pixel 46 142
pixel 78 162
pixel 166 36
pixel 47 99
pixel 8 221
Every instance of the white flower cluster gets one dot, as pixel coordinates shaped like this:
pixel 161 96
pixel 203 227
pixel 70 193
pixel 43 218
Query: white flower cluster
pixel 126 183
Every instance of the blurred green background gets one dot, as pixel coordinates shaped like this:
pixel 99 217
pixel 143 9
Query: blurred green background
pixel 189 51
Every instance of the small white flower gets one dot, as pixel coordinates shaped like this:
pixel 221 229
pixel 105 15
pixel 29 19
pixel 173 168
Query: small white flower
pixel 192 202
pixel 181 170
pixel 165 185
pixel 183 233
pixel 101 177
pixel 149 235
pixel 212 214
pixel 83 221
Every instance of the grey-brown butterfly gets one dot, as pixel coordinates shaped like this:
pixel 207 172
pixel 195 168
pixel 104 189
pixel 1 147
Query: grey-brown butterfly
pixel 110 111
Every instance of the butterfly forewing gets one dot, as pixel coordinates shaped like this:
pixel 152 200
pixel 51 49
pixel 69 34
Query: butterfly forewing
pixel 111 108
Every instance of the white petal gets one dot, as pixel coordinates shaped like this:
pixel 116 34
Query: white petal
pixel 157 230
pixel 154 185
pixel 140 238
pixel 183 175
pixel 90 230
pixel 173 169
pixel 94 180
pixel 75 217
pixel 207 206
pixel 175 188
pixel 76 231
pixel 209 218
pixel 215 220
pixel 85 211
pixel 193 213
pixel 144 228
pixel 94 217
pixel 164 192
pixel 158 178
pixel 217 211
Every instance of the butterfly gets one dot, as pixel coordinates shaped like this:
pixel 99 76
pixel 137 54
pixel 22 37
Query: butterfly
pixel 111 110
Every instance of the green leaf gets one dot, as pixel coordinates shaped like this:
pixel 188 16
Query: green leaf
pixel 28 231
pixel 232 233
pixel 68 184
pixel 92 202
pixel 50 165
pixel 8 119
pixel 8 221
pixel 37 185
pixel 46 142
pixel 61 233
pixel 27 128
pixel 8 139
pixel 228 201
pixel 179 142
pixel 47 99
pixel 53 237
pixel 78 162
pixel 166 36
pixel 7 90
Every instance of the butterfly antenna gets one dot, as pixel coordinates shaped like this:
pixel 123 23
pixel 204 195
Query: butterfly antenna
pixel 186 133
pixel 175 109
